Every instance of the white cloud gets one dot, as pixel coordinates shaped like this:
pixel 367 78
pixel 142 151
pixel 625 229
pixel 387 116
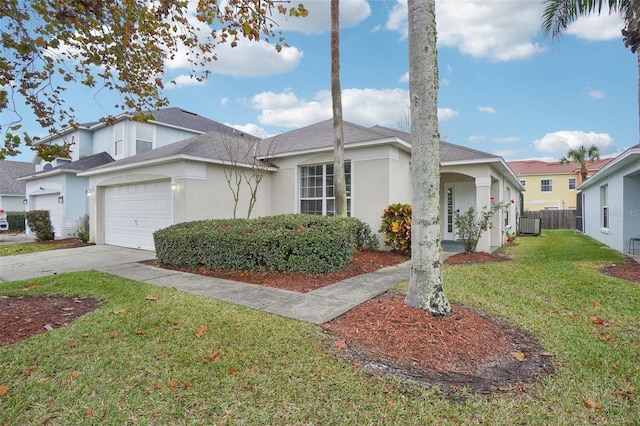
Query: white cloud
pixel 595 94
pixel 404 78
pixel 487 109
pixel 497 30
pixel 476 138
pixel 184 81
pixel 255 59
pixel 224 101
pixel 251 129
pixel 366 107
pixel 597 27
pixel 561 141
pixel 318 21
pixel 506 139
pixel 445 114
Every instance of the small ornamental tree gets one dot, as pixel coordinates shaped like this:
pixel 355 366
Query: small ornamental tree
pixel 470 225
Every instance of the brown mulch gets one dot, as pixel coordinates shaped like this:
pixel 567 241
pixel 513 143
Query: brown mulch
pixel 471 258
pixel 630 270
pixel 465 350
pixel 25 316
pixel 363 262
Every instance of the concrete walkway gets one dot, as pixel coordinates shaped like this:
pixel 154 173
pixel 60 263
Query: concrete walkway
pixel 317 307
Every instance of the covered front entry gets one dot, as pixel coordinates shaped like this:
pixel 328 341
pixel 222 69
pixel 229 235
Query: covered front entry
pixel 132 213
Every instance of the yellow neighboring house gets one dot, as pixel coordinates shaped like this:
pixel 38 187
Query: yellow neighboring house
pixel 551 185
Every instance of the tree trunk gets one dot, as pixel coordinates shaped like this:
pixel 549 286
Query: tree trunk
pixel 425 283
pixel 339 184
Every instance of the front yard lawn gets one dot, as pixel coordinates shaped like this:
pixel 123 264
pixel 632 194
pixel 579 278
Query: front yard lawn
pixel 152 355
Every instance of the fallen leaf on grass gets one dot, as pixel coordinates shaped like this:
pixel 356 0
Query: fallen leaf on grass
pixel 213 357
pixel 73 344
pixel 29 287
pixel 201 330
pixel 596 304
pixel 232 370
pixel 592 404
pixel 71 377
pixel 3 390
pixel 114 334
pixel 519 356
pixel 151 297
pixel 157 385
pixel 89 412
pixel 120 311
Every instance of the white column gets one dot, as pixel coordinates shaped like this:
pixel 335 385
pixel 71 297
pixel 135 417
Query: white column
pixel 483 200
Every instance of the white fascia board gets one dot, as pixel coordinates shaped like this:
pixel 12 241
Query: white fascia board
pixel 161 160
pixel 397 142
pixel 45 174
pixel 611 167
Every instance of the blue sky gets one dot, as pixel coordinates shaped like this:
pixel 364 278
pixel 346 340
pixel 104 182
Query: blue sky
pixel 504 88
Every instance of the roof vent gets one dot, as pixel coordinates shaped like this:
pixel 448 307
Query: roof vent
pixel 47 166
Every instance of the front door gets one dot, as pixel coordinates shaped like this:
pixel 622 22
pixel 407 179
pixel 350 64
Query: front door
pixel 458 198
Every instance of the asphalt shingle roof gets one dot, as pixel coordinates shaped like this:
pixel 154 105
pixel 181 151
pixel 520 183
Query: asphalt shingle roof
pixel 76 166
pixel 9 172
pixel 212 146
pixel 189 120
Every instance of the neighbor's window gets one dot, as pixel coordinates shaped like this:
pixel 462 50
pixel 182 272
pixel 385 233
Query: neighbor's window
pixel 118 137
pixel 546 185
pixel 144 137
pixel 316 189
pixel 604 206
pixel 572 183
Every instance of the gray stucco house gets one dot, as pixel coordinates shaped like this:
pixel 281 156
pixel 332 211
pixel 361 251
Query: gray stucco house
pixel 611 202
pixel 11 190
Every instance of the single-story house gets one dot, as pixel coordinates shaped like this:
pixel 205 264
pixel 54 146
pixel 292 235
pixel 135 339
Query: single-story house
pixel 611 202
pixel 194 179
pixel 12 191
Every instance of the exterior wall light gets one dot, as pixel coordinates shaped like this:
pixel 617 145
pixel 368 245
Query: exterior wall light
pixel 61 199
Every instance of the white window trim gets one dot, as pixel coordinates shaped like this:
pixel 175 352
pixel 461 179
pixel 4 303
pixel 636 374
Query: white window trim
pixel 324 198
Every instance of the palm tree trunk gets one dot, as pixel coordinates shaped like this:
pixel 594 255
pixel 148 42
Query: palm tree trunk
pixel 425 282
pixel 339 185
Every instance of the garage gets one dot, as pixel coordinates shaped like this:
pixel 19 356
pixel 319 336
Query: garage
pixel 50 202
pixel 132 213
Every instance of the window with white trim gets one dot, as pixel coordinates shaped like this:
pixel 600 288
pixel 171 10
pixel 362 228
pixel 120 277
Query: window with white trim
pixel 118 139
pixel 144 137
pixel 546 185
pixel 572 183
pixel 604 206
pixel 316 189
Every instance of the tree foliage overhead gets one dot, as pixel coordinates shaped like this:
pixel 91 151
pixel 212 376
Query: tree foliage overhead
pixel 121 45
pixel 558 14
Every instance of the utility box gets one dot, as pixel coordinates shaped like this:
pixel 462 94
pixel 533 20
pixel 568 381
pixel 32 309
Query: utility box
pixel 4 225
pixel 529 225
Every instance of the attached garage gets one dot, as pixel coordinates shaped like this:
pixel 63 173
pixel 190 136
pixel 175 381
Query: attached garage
pixel 132 213
pixel 50 202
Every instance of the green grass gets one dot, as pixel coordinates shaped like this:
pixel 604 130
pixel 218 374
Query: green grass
pixel 272 370
pixel 24 248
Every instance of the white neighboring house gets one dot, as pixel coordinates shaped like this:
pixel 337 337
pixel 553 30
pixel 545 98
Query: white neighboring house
pixel 132 197
pixel 56 186
pixel 611 202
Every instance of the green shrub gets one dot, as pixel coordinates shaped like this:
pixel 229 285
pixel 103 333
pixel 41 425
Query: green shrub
pixel 396 226
pixel 16 221
pixel 308 244
pixel 39 222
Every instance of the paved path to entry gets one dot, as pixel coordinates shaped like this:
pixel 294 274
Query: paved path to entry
pixel 317 306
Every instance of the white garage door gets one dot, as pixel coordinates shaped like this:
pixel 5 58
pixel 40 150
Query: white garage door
pixel 50 202
pixel 133 213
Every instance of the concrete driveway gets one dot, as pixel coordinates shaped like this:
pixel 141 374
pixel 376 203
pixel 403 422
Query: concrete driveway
pixel 31 265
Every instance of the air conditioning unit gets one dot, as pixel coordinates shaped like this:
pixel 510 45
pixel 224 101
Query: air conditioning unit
pixel 529 225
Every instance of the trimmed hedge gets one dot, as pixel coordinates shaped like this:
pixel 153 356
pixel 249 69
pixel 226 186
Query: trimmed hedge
pixel 16 221
pixel 308 244
pixel 40 224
